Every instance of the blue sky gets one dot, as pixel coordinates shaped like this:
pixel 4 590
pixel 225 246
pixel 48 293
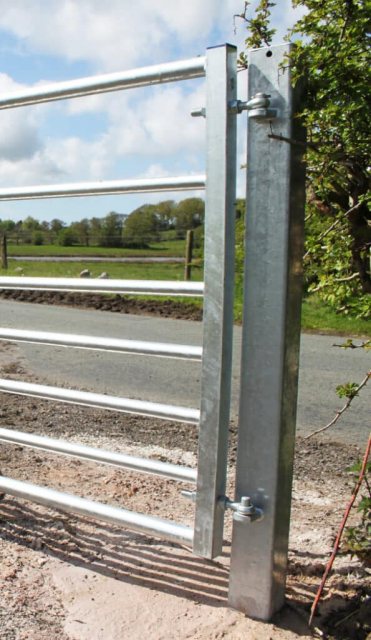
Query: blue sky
pixel 135 133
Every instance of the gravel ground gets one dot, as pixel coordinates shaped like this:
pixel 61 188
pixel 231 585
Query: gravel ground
pixel 57 569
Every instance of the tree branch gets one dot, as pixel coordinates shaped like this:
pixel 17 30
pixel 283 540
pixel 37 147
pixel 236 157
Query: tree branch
pixel 340 532
pixel 349 344
pixel 334 224
pixel 345 407
pixel 299 143
pixel 329 284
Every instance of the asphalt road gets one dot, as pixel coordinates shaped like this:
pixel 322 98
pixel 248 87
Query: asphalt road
pixel 322 366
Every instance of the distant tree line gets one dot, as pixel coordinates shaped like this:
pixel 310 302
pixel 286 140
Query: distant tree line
pixel 148 223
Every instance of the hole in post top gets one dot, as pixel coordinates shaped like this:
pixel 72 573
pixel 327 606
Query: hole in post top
pixel 269 54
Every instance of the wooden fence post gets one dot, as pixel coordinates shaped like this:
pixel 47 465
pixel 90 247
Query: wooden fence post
pixel 4 252
pixel 188 255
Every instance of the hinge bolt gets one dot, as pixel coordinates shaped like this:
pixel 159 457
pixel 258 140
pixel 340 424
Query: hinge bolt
pixel 244 510
pixel 199 113
pixel 257 106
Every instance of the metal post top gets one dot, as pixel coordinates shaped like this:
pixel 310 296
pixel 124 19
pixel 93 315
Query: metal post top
pixel 226 45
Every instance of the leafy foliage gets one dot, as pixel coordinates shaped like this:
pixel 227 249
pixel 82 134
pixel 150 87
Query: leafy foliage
pixel 347 390
pixel 140 226
pixel 258 24
pixel 331 49
pixel 357 538
pixel 240 239
pixel 136 230
pixel 189 214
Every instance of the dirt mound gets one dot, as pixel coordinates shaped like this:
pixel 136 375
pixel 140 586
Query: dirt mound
pixel 115 303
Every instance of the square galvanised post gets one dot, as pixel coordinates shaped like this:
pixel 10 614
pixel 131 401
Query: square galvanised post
pixel 218 301
pixel 271 332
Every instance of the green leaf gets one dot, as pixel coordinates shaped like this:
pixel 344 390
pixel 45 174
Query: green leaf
pixel 348 390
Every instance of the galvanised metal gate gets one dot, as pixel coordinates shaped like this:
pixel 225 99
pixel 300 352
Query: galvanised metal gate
pixel 270 344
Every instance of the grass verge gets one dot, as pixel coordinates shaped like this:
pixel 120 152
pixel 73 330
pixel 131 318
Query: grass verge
pixel 319 318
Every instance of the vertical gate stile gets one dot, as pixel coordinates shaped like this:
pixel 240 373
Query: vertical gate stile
pixel 270 343
pixel 218 302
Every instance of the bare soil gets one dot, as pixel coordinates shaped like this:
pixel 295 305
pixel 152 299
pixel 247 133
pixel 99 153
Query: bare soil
pixel 115 303
pixel 68 577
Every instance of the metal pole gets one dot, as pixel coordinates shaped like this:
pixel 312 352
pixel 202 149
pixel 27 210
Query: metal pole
pixel 74 504
pixel 97 285
pixel 156 74
pixel 271 332
pixel 103 188
pixel 101 401
pixel 142 465
pixel 218 303
pixel 138 347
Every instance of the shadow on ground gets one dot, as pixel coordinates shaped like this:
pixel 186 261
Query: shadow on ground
pixel 171 569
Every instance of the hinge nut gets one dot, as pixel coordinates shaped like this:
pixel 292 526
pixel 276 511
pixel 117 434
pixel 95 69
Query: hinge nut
pixel 245 510
pixel 257 107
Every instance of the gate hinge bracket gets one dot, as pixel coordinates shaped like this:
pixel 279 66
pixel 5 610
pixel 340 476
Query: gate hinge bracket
pixel 243 511
pixel 257 107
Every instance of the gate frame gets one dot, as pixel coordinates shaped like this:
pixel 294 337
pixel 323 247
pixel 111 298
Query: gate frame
pixel 219 67
pixel 271 326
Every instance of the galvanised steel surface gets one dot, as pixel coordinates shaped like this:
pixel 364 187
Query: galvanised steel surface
pixel 220 63
pixel 218 301
pixel 67 502
pixel 193 68
pixel 155 467
pixel 270 333
pixel 101 401
pixel 103 188
pixel 139 347
pixel 97 285
pixel 270 351
pixel 156 74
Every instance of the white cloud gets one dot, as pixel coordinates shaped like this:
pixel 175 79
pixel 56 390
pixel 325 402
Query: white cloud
pixel 168 124
pixel 38 169
pixel 157 124
pixel 113 35
pixel 19 130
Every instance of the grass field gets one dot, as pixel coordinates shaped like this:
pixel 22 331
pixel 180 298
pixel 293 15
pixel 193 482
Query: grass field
pixel 173 248
pixel 151 271
pixel 316 316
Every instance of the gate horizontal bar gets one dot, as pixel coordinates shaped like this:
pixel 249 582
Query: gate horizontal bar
pixel 67 502
pixel 143 465
pixel 156 74
pixel 104 187
pixel 97 285
pixel 101 401
pixel 138 347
